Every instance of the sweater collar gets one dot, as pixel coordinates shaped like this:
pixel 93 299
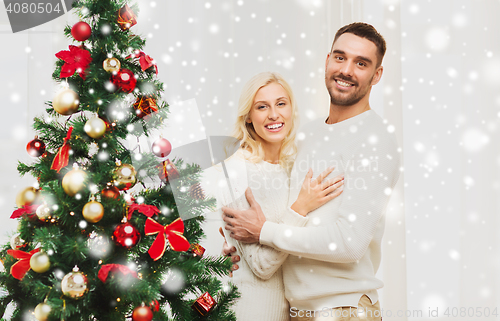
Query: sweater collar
pixel 349 121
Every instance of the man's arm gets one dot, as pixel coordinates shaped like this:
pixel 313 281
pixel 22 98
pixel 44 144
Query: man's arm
pixel 246 225
pixel 347 238
pixel 366 195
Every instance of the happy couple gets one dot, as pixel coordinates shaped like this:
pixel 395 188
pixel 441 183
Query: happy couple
pixel 307 239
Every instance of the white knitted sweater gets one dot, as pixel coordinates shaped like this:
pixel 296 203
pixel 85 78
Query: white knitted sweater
pixel 335 256
pixel 259 277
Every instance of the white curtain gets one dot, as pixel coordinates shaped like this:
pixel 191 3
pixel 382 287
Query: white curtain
pixel 439 90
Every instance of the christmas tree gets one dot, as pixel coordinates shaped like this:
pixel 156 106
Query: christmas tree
pixel 96 240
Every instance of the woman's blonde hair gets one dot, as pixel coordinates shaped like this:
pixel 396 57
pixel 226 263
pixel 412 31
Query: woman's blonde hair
pixel 245 132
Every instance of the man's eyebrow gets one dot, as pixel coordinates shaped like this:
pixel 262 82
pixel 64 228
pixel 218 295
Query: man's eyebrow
pixel 358 57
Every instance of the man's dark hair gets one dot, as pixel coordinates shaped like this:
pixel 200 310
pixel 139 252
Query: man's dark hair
pixel 366 31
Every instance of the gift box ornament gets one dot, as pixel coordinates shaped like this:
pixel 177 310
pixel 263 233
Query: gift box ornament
pixel 204 304
pixel 168 171
pixel 144 106
pixel 196 250
pixel 126 17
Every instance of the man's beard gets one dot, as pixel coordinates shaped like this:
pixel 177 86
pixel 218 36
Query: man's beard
pixel 351 99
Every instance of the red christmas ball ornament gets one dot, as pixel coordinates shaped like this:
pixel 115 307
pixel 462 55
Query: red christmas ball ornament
pixel 126 235
pixel 111 192
pixel 35 147
pixel 161 147
pixel 81 31
pixel 125 80
pixel 142 314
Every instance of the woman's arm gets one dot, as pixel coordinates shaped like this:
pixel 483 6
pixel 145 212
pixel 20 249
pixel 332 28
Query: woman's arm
pixel 263 260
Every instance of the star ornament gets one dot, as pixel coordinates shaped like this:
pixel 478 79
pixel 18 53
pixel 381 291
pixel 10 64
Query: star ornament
pixel 76 59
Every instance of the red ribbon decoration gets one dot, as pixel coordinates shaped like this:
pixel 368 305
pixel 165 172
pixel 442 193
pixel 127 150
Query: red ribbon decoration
pixel 21 267
pixel 148 210
pixel 144 60
pixel 107 268
pixel 62 156
pixel 29 210
pixel 172 232
pixel 76 59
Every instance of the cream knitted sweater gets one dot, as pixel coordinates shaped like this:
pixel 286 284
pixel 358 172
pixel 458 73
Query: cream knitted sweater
pixel 259 277
pixel 335 256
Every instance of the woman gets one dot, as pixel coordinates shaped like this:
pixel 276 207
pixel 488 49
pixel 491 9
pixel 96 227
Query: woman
pixel 265 127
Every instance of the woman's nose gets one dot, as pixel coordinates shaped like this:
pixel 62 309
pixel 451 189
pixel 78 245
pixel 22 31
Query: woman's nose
pixel 273 113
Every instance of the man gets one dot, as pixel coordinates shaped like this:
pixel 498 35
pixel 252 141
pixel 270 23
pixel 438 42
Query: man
pixel 335 249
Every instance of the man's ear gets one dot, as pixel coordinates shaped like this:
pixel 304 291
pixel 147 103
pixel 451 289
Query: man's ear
pixel 326 61
pixel 378 75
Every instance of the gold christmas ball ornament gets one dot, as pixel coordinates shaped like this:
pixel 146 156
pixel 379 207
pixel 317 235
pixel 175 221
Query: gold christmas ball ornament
pixel 125 177
pixel 43 212
pixel 40 262
pixel 95 127
pixel 74 284
pixel 93 212
pixel 66 102
pixel 42 311
pixel 74 181
pixel 111 65
pixel 27 197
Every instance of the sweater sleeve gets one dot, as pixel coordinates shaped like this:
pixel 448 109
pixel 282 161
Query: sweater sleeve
pixel 367 190
pixel 263 260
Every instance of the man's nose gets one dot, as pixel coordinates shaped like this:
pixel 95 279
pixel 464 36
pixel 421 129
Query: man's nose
pixel 347 68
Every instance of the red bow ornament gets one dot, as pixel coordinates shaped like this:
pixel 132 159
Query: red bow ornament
pixel 172 232
pixel 21 267
pixel 107 268
pixel 62 157
pixel 76 59
pixel 148 210
pixel 145 61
